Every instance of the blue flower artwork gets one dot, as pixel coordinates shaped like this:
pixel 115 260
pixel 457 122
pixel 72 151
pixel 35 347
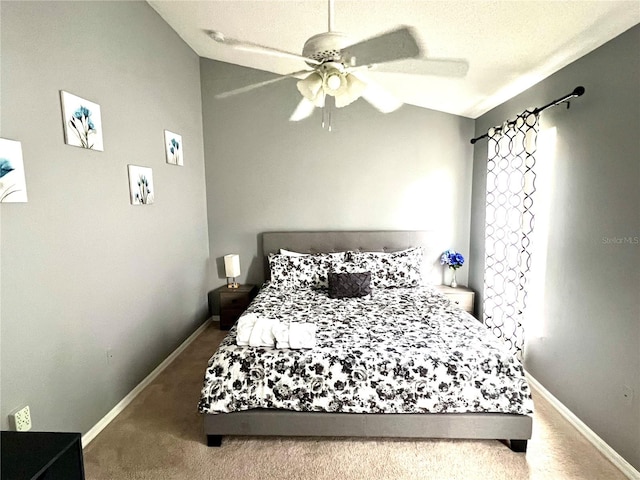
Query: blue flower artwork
pixel 5 167
pixel 13 188
pixel 141 185
pixel 173 146
pixel 83 127
pixel 82 122
pixel 143 195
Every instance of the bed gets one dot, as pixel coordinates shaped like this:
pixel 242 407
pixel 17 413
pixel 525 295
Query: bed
pixel 489 409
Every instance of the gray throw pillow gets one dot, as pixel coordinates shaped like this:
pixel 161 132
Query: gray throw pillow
pixel 349 285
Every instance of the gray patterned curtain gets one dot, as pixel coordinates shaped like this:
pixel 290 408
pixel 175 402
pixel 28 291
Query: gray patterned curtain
pixel 509 224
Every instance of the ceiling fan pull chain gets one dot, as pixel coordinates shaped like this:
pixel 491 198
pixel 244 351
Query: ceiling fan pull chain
pixel 327 112
pixel 324 112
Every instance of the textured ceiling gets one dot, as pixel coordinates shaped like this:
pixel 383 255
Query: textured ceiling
pixel 509 45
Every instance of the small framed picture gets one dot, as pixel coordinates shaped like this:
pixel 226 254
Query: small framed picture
pixel 13 187
pixel 82 122
pixel 173 147
pixel 141 185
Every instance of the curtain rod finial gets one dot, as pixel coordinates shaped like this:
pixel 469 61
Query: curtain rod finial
pixel 578 91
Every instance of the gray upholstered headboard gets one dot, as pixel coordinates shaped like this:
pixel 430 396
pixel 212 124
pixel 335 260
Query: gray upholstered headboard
pixel 366 241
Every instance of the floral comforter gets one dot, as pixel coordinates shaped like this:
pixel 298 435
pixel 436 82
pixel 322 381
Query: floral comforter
pixel 401 350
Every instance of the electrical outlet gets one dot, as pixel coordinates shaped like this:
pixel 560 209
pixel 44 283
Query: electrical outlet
pixel 627 393
pixel 21 419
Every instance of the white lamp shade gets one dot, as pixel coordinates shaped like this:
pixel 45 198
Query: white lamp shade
pixel 232 265
pixel 310 87
pixel 350 91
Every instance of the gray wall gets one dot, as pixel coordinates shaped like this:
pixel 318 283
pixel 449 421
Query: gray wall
pixel 82 269
pixel 410 169
pixel 588 344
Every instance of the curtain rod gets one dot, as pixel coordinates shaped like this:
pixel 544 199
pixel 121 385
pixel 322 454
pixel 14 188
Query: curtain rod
pixel 578 91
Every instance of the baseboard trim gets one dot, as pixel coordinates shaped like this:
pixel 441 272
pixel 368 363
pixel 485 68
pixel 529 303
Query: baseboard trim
pixel 122 404
pixel 603 447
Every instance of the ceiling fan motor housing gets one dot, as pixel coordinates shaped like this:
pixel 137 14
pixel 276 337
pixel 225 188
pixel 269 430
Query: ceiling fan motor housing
pixel 326 47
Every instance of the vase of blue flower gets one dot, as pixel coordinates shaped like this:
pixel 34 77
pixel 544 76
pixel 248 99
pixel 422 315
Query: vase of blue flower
pixel 454 261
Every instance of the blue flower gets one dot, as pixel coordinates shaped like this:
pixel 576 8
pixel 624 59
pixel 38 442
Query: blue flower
pixel 5 167
pixel 82 112
pixel 82 125
pixel 452 258
pixel 171 149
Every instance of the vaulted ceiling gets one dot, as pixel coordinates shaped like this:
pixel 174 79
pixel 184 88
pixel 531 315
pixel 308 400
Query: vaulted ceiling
pixel 509 45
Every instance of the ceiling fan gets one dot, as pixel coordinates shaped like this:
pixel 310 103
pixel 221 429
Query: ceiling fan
pixel 338 69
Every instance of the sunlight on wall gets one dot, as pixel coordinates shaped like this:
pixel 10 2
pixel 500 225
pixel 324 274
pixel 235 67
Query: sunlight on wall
pixel 428 203
pixel 535 319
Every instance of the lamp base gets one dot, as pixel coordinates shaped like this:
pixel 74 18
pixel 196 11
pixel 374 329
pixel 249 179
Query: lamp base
pixel 231 282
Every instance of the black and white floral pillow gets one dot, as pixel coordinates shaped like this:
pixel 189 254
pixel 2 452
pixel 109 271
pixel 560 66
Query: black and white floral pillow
pixel 391 270
pixel 308 271
pixel 347 266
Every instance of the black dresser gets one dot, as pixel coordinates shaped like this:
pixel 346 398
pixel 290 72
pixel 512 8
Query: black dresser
pixel 41 456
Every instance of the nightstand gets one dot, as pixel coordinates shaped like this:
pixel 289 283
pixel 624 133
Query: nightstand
pixel 233 302
pixel 462 296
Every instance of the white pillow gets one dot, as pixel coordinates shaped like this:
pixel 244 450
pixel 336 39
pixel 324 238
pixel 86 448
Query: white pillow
pixel 289 253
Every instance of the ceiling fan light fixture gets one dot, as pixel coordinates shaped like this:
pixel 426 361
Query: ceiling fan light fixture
pixel 310 87
pixel 353 89
pixel 349 89
pixel 333 81
pixel 355 85
pixel 344 100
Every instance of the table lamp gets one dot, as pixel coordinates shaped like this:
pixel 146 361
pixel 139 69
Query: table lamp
pixel 232 269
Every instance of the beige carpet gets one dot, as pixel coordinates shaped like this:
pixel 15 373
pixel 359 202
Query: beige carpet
pixel 159 436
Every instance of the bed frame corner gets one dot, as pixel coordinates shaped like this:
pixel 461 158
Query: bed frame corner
pixel 518 446
pixel 214 440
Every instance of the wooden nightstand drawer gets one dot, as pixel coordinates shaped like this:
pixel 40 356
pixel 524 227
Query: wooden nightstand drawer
pixel 462 296
pixel 465 300
pixel 233 302
pixel 240 300
pixel 229 316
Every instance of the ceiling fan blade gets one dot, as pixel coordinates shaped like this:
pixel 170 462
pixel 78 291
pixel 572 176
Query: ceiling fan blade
pixel 395 45
pixel 253 86
pixel 444 67
pixel 378 97
pixel 248 88
pixel 304 110
pixel 254 47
